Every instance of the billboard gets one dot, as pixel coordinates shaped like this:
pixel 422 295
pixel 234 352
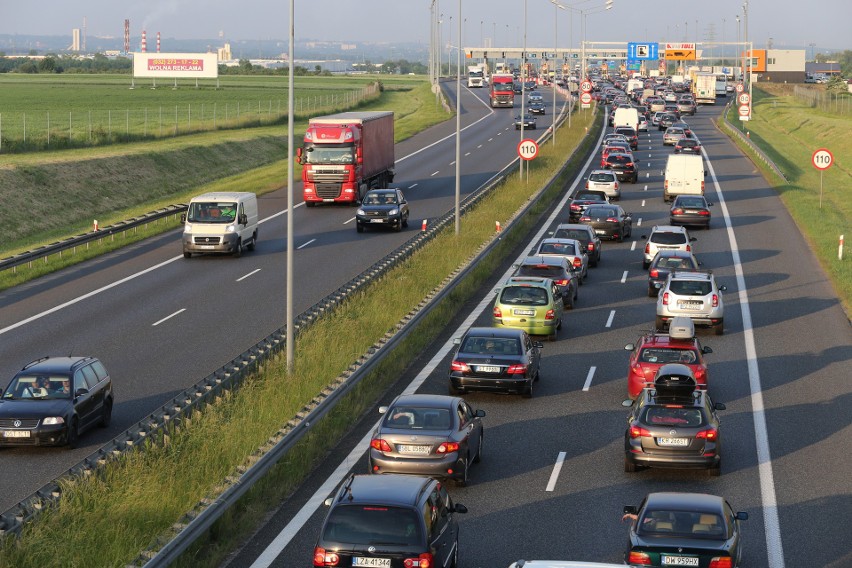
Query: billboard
pixel 176 65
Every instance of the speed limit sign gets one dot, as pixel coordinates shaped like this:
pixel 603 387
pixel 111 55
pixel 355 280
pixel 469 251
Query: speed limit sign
pixel 740 87
pixel 744 98
pixel 822 159
pixel 527 149
pixel 586 87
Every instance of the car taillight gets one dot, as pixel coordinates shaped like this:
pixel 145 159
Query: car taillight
pixel 640 558
pixel 616 185
pixel 591 247
pixel 448 447
pixel 648 248
pixel 677 211
pixel 704 213
pixel 425 560
pixel 325 558
pixel 561 282
pixel 459 366
pixel 666 184
pixel 688 248
pixel 575 207
pixel 702 187
pixel 612 219
pixel 654 273
pixel 721 562
pixel 700 376
pixel 715 301
pixel 578 262
pixel 710 434
pixel 587 185
pixel 517 370
pixel 549 315
pixel 585 218
pixel 665 298
pixel 380 444
pixel 638 432
pixel 497 312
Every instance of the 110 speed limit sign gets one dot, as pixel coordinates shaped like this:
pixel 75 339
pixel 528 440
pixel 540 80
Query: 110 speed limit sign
pixel 822 159
pixel 527 149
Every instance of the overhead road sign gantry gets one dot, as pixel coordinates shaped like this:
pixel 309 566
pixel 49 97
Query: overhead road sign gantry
pixel 642 51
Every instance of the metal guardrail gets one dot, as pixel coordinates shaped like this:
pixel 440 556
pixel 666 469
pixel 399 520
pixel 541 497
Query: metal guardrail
pixel 752 146
pixel 74 242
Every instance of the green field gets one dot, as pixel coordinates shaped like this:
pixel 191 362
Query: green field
pixel 62 111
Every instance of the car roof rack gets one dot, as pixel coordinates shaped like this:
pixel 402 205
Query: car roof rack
pixel 36 362
pixel 675 385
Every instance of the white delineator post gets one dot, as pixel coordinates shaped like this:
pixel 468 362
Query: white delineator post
pixel 840 249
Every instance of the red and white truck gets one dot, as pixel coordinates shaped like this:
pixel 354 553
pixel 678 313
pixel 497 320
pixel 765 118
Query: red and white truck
pixel 345 155
pixel 502 91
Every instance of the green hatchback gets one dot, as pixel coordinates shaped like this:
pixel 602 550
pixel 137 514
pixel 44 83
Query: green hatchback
pixel 531 304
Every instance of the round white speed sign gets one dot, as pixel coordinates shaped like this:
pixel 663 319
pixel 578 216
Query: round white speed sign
pixel 822 159
pixel 527 149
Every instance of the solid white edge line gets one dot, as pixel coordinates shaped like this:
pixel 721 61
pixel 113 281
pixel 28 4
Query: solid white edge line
pixel 610 318
pixel 300 247
pixel 554 475
pixel 346 222
pixel 280 542
pixel 255 271
pixel 589 377
pixel 772 526
pixel 168 317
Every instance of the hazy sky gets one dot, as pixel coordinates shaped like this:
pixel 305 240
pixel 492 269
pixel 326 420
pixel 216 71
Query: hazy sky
pixel 787 22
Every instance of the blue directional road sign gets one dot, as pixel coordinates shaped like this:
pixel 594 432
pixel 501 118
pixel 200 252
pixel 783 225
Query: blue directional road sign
pixel 642 51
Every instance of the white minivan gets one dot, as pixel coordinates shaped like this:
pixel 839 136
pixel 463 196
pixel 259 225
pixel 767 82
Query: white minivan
pixel 684 175
pixel 220 222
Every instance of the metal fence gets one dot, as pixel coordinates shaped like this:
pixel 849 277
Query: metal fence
pixel 828 101
pixel 28 131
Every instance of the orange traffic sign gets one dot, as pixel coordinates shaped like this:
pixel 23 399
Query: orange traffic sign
pixel 680 54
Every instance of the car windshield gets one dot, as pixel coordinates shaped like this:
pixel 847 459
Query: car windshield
pixel 491 346
pixel 417 418
pixel 371 525
pixel 329 155
pixel 211 212
pixel 690 287
pixel 38 387
pixel 524 296
pixel 380 199
pixel 664 356
pixel 666 238
pixel 557 248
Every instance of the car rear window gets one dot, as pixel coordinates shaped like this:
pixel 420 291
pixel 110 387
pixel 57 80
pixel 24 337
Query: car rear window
pixel 602 212
pixel 371 524
pixel 668 415
pixel 540 270
pixel 666 238
pixel 674 262
pixel 690 287
pixel 524 296
pixel 682 523
pixel 491 346
pixel 664 356
pixel 557 248
pixel 600 177
pixel 618 159
pixel 416 418
pixel 576 234
pixel 691 202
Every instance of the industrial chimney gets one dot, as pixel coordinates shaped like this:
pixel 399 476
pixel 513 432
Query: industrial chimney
pixel 144 41
pixel 158 42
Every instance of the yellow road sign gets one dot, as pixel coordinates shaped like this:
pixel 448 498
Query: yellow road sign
pixel 680 54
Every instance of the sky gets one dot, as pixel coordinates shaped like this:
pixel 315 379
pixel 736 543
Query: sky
pixel 825 23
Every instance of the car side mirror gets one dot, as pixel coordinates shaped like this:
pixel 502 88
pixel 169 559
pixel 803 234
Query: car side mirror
pixel 630 510
pixel 459 508
pixel 723 288
pixel 183 217
pixel 328 502
pixel 706 349
pixel 720 406
pixel 538 344
pixel 693 239
pixel 81 392
pixel 629 347
pixel 705 173
pixel 383 409
pixel 742 516
pixel 456 340
pixel 243 219
pixel 627 403
pixel 479 413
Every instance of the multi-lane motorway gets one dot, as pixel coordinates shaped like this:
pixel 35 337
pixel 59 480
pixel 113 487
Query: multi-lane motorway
pixel 782 366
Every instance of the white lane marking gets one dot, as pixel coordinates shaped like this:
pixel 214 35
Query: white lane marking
pixel 610 318
pixel 633 245
pixel 589 378
pixel 643 203
pixel 412 186
pixel 479 146
pixel 649 165
pixel 435 173
pixel 255 271
pixel 306 244
pixel 298 521
pixel 647 175
pixel 645 189
pixel 649 155
pixel 772 528
pixel 466 154
pixel 554 475
pixel 639 222
pixel 623 280
pixel 168 317
pixel 346 222
pixel 491 139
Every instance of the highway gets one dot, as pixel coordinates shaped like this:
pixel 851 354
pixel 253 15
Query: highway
pixel 551 484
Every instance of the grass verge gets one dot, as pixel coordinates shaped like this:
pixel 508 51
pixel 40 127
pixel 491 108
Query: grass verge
pixel 139 497
pixel 788 131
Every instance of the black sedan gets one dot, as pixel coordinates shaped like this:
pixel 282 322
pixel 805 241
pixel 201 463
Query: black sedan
pixel 664 263
pixel 427 434
pixel 690 210
pixel 528 122
pixel 666 120
pixel 583 233
pixel 623 165
pixel 687 146
pixel 684 529
pixel 582 200
pixel 610 221
pixel 536 107
pixel 496 360
pixel 382 208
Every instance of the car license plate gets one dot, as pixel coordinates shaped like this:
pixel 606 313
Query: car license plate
pixel 524 312
pixel 374 562
pixel 672 441
pixel 689 305
pixel 377 220
pixel 600 232
pixel 16 433
pixel 487 369
pixel 207 246
pixel 679 560
pixel 407 450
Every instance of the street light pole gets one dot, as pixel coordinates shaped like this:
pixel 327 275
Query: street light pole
pixel 556 7
pixel 523 87
pixel 289 334
pixel 458 125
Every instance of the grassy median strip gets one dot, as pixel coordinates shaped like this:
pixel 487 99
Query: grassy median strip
pixel 141 496
pixel 788 131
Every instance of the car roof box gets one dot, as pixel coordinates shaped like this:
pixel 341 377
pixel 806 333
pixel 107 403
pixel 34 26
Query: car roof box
pixel 674 381
pixel 681 328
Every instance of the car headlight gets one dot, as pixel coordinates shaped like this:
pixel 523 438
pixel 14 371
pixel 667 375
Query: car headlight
pixel 51 420
pixel 187 229
pixel 359 212
pixel 393 211
pixel 230 229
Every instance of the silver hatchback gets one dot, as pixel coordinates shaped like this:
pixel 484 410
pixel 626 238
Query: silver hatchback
pixel 695 295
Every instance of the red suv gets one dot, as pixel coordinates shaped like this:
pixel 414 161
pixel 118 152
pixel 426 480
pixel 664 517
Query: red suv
pixel 655 349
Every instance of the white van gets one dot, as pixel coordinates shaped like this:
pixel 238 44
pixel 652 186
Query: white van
pixel 221 222
pixel 626 117
pixel 684 175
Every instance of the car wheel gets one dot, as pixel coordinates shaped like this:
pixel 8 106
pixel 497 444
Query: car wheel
pixel 719 328
pixel 568 303
pixel 529 391
pixel 73 434
pixel 359 227
pixel 238 250
pixel 253 242
pixel 652 292
pixel 659 323
pixel 106 417
pixel 620 237
pixel 309 203
pixel 716 471
pixel 453 390
pixel 398 226
pixel 187 254
pixel 463 480
pixel 629 466
pixel 405 221
pixel 645 264
pixel 478 457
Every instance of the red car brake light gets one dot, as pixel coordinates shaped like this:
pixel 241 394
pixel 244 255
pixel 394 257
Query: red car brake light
pixel 639 432
pixel 561 282
pixel 550 315
pixel 665 298
pixel 677 211
pixel 654 273
pixel 585 218
pixel 710 434
pixel 325 558
pixel 578 262
pixel 380 444
pixel 612 219
pixel 715 301
pixel 448 447
pixel 516 370
pixel 648 248
pixel 425 560
pixel 721 562
pixel 459 366
pixel 497 312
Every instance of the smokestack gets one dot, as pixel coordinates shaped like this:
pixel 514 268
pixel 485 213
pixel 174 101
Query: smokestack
pixel 126 36
pixel 144 41
pixel 158 42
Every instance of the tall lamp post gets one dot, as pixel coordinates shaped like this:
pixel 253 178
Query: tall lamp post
pixel 556 7
pixel 583 13
pixel 458 125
